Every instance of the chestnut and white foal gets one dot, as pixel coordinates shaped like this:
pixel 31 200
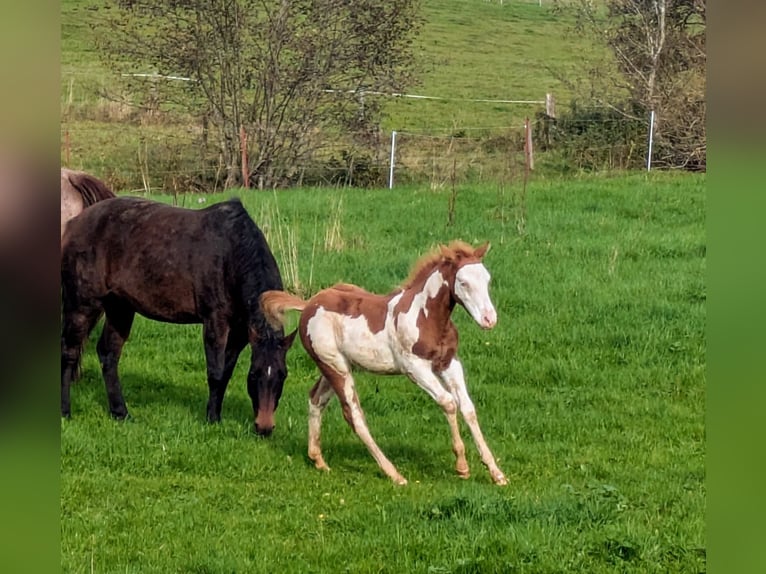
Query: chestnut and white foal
pixel 409 331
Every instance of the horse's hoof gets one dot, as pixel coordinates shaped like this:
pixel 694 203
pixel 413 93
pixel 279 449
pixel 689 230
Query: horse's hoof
pixel 463 473
pixel 400 481
pixel 500 480
pixel 120 415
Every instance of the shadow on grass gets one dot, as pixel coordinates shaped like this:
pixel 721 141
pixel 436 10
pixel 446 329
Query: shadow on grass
pixel 142 393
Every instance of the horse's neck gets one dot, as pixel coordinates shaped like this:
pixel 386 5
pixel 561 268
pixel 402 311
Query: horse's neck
pixel 434 297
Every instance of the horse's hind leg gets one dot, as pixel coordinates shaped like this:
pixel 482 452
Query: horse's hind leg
pixel 319 396
pixel 76 326
pixel 119 320
pixel 343 384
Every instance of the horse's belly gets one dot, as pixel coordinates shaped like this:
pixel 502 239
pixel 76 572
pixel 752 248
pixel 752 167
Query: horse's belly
pixel 370 351
pixel 340 340
pixel 371 358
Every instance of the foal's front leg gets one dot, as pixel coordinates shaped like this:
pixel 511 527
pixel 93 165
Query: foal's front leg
pixel 420 372
pixel 455 381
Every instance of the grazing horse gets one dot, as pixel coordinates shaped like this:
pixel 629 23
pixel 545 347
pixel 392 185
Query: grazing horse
pixel 209 266
pixel 78 191
pixel 409 331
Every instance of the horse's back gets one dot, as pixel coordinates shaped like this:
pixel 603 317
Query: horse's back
pixel 171 263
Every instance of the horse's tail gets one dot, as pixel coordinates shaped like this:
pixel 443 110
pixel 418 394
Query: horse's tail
pixel 275 303
pixel 90 187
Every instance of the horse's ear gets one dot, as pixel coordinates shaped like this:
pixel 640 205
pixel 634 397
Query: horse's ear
pixel 481 251
pixel 288 340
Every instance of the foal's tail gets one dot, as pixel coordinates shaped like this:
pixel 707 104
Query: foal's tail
pixel 275 303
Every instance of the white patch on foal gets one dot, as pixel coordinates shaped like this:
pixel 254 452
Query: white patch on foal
pixel 339 339
pixel 472 290
pixel 406 324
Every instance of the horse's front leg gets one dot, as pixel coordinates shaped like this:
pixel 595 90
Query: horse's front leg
pixel 454 380
pixel 215 333
pixel 424 377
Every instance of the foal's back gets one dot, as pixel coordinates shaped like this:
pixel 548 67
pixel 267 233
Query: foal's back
pixel 346 325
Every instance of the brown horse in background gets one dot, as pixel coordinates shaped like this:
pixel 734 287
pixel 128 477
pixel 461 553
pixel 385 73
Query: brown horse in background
pixel 78 191
pixel 130 255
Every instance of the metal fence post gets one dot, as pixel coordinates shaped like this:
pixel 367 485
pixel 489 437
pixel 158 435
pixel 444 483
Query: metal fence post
pixel 391 168
pixel 651 141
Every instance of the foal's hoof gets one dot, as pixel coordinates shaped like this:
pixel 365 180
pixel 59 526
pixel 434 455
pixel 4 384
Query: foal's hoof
pixel 500 479
pixel 120 415
pixel 399 480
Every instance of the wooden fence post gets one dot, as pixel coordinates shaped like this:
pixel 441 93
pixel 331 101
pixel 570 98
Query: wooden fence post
pixel 243 148
pixel 528 154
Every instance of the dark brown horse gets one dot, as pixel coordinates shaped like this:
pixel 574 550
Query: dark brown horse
pixel 209 266
pixel 78 191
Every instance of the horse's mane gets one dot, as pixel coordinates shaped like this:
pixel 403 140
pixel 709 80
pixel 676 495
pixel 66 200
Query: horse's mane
pixel 89 187
pixel 454 251
pixel 252 258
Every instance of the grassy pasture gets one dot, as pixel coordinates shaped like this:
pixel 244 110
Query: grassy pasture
pixel 590 391
pixel 467 50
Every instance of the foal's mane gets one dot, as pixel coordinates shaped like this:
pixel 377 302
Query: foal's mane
pixel 453 252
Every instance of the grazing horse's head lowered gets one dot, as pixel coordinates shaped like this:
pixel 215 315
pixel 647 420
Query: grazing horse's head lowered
pixel 129 255
pixel 266 378
pixel 408 331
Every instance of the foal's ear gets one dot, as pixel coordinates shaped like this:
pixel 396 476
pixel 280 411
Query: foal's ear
pixel 288 340
pixel 481 251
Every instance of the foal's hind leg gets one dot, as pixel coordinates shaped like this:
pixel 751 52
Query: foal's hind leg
pixel 343 384
pixel 119 320
pixel 76 326
pixel 319 396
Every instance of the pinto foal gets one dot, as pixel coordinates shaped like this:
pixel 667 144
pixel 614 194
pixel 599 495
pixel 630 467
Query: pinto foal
pixel 409 331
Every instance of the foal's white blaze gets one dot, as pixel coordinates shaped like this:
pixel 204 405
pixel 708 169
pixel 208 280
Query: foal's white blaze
pixel 472 289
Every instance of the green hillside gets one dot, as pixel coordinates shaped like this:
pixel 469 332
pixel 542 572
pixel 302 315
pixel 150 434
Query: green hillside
pixel 468 50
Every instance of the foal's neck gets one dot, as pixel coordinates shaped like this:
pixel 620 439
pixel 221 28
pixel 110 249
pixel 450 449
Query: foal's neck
pixel 439 302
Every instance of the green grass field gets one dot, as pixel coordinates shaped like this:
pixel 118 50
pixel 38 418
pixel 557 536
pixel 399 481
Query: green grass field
pixel 590 392
pixel 467 51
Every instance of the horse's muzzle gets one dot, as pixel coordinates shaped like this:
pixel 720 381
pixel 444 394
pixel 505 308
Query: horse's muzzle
pixel 264 430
